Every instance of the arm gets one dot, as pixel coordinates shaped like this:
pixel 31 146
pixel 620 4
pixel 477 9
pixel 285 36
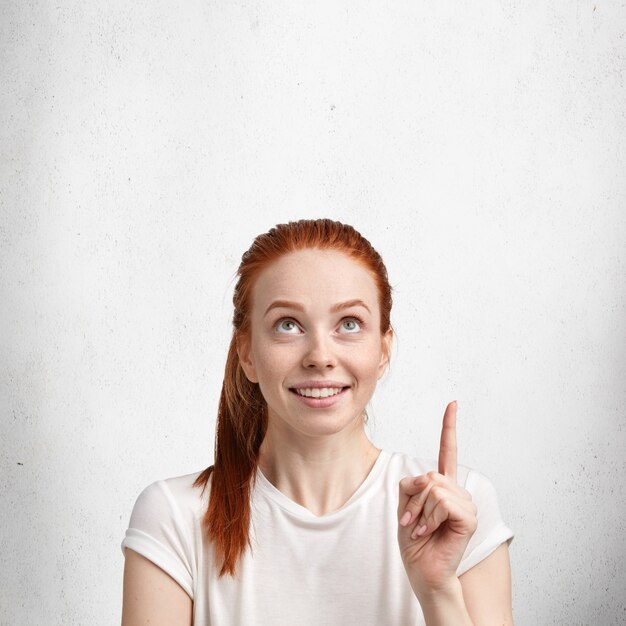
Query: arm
pixel 480 597
pixel 487 589
pixel 436 519
pixel 151 596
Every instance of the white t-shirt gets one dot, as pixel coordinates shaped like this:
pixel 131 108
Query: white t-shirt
pixel 303 570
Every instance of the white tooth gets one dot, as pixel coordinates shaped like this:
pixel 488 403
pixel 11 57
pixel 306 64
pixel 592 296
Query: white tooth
pixel 318 392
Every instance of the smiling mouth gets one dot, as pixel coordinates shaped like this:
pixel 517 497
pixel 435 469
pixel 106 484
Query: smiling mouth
pixel 318 392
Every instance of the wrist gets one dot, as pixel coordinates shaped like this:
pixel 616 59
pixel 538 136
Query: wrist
pixel 444 604
pixel 449 589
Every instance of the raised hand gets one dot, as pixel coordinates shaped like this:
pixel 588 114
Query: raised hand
pixel 436 519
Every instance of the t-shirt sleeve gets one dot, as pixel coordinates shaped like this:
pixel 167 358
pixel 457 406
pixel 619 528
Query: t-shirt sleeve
pixel 491 531
pixel 157 531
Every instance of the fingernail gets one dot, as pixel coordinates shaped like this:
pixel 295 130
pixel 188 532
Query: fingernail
pixel 406 518
pixel 417 531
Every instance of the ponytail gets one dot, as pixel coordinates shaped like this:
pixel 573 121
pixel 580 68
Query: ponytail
pixel 241 426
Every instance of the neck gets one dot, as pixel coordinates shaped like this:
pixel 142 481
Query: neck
pixel 319 473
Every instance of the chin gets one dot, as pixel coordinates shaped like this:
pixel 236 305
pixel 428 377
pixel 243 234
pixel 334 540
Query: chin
pixel 328 426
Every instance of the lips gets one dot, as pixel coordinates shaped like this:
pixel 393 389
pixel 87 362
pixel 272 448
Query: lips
pixel 319 384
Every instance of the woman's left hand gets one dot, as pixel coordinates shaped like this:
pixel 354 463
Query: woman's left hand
pixel 436 519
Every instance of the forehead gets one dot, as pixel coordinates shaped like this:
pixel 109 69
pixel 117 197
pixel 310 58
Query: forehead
pixel 314 277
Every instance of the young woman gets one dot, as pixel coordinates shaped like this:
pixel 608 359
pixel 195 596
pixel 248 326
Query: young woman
pixel 302 520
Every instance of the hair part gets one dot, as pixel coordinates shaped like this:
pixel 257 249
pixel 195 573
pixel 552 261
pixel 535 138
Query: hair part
pixel 242 411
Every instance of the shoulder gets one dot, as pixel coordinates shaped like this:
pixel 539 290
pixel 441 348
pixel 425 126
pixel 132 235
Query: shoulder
pixel 171 503
pixel 175 499
pixel 164 525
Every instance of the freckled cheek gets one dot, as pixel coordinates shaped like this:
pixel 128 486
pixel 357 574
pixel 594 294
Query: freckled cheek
pixel 367 366
pixel 274 360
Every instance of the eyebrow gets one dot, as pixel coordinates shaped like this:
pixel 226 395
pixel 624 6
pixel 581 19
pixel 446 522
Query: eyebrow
pixel 287 304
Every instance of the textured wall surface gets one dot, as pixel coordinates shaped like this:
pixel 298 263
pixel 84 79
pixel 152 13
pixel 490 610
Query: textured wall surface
pixel 480 146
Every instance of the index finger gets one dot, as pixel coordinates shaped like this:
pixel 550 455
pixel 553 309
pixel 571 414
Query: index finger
pixel 447 445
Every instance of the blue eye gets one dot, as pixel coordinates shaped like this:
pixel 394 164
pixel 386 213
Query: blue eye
pixel 287 326
pixel 351 325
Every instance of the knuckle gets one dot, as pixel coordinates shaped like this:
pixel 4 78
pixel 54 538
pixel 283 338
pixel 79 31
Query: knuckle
pixel 404 483
pixel 445 503
pixel 438 492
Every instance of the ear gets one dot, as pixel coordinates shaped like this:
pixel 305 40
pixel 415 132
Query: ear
pixel 245 359
pixel 386 344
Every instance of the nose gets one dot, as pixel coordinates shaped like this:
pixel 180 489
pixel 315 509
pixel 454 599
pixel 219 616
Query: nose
pixel 319 353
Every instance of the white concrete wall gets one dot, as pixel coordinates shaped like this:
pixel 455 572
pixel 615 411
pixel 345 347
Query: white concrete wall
pixel 480 146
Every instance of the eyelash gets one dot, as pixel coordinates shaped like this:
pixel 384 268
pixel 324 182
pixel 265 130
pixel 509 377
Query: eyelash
pixel 355 318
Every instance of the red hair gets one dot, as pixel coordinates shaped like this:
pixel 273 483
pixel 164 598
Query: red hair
pixel 242 411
